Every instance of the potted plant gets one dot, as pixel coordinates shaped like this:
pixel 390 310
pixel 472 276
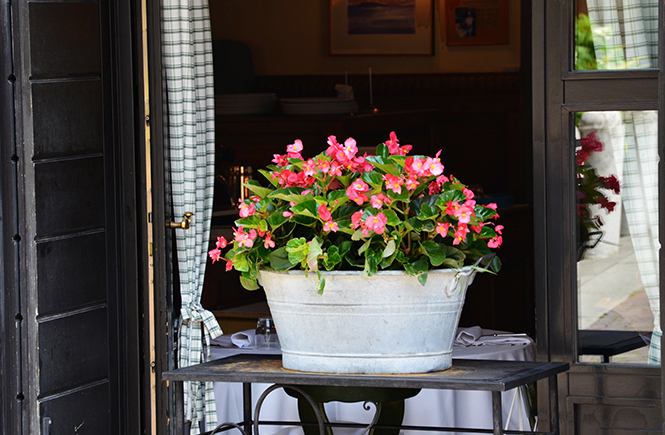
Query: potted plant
pixel 326 232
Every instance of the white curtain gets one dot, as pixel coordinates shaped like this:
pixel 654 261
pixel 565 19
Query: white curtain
pixel 625 34
pixel 187 58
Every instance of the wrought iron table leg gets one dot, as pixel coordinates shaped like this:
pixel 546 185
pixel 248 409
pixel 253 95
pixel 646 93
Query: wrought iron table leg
pixel 247 407
pixel 497 413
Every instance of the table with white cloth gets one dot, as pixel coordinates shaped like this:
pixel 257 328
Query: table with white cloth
pixel 431 407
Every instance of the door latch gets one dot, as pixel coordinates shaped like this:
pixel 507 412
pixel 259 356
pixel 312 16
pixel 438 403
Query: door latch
pixel 184 224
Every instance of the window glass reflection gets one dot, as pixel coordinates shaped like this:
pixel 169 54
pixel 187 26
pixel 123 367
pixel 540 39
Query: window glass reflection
pixel 617 200
pixel 616 34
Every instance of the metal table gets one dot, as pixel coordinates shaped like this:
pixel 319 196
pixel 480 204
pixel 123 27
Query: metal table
pixel 482 375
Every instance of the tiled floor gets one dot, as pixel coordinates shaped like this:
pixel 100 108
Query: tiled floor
pixel 611 297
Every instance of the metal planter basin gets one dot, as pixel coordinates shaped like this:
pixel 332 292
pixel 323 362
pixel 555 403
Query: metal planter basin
pixel 386 323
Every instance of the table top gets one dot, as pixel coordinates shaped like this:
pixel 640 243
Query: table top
pixel 463 375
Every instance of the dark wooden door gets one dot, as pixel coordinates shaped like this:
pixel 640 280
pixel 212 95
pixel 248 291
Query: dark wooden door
pixel 596 396
pixel 70 319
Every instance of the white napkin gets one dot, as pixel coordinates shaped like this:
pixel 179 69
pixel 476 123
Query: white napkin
pixel 490 340
pixel 239 339
pixel 473 336
pixel 468 336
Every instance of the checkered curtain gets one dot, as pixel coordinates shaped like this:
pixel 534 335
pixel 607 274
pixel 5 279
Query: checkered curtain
pixel 626 36
pixel 187 59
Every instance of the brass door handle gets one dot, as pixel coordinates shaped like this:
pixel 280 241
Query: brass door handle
pixel 186 221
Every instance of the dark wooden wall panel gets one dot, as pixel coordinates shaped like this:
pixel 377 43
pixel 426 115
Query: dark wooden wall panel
pixel 64 39
pixel 68 276
pixel 58 132
pixel 73 412
pixel 68 195
pixel 70 353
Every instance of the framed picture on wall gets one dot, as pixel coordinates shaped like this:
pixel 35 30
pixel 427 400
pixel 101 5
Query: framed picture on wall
pixel 388 27
pixel 477 22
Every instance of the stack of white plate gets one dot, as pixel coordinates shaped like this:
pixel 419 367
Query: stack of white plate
pixel 318 106
pixel 244 104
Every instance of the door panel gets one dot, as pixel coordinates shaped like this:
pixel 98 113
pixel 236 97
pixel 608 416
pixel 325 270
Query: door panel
pixel 72 207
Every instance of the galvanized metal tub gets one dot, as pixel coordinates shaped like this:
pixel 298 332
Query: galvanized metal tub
pixel 386 323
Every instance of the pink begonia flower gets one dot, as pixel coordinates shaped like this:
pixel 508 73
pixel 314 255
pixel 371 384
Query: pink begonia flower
pixel 468 193
pixel 394 148
pixel 221 242
pixel 442 228
pixel 336 169
pixel 464 214
pixel 498 228
pixel 246 209
pixel 356 219
pixel 412 183
pixel 324 165
pixel 287 214
pixel 268 242
pixel 306 192
pixel 433 166
pixel 377 201
pixel 293 150
pixel 280 160
pixel 460 234
pixel 229 265
pixel 333 146
pixel 418 166
pixel 324 213
pixel 243 238
pixel 377 223
pixel 492 205
pixel 495 242
pixel 215 255
pixel 350 149
pixel 478 228
pixel 330 226
pixel 393 183
pixel 310 167
pixel 355 196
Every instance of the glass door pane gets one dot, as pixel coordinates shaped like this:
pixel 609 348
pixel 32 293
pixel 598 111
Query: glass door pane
pixel 617 233
pixel 616 34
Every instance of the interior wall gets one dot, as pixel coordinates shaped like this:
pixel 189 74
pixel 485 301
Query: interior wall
pixel 290 37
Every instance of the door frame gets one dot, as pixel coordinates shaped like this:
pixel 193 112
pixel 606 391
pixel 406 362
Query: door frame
pixel 557 93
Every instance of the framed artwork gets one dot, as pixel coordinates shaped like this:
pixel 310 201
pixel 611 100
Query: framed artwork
pixel 388 27
pixel 477 22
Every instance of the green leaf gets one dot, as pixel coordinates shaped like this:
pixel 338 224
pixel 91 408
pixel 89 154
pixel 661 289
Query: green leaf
pixel 268 176
pixel 450 195
pixel 427 212
pixel 483 213
pixel 358 235
pixel 393 219
pixel 276 220
pixel 306 208
pixel 263 225
pixel 297 250
pixel 422 278
pixel 313 254
pixel 249 283
pixel 240 262
pixel 384 164
pixel 434 252
pixel 321 283
pixel 382 150
pixel 372 178
pixel 279 259
pixel 331 258
pixel 454 254
pixel 364 247
pixel 372 260
pixel 255 187
pixel 249 222
pixel 389 249
pixel 291 194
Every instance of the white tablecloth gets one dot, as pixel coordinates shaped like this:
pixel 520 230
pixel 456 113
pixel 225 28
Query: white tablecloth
pixel 441 408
